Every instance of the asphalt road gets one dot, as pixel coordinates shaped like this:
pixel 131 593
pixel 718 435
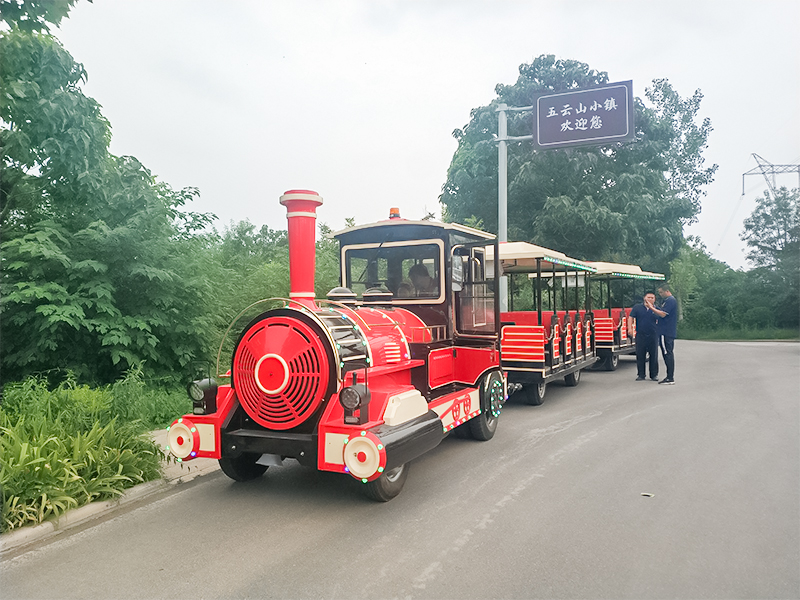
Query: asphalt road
pixel 553 507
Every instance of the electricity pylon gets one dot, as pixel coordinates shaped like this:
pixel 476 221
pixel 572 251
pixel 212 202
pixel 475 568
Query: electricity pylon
pixel 768 170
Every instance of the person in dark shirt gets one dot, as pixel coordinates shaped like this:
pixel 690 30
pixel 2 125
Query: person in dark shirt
pixel 646 336
pixel 667 330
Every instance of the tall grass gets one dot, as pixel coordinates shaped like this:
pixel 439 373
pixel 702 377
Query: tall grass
pixel 737 333
pixel 66 447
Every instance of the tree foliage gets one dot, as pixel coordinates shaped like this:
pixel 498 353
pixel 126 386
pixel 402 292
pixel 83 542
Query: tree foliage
pixel 54 138
pixel 772 232
pixel 34 15
pixel 97 256
pixel 712 295
pixel 622 202
pixel 707 290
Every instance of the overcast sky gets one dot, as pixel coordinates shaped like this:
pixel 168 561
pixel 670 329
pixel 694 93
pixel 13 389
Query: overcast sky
pixel 358 99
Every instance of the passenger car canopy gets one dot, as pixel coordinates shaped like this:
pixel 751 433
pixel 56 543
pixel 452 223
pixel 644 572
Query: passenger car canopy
pixel 523 257
pixel 621 270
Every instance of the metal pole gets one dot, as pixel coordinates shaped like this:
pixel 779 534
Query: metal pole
pixel 577 292
pixel 539 289
pixel 502 193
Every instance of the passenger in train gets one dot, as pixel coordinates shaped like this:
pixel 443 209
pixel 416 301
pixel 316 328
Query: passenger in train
pixel 423 283
pixel 646 336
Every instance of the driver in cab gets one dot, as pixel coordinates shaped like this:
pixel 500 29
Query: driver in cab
pixel 424 284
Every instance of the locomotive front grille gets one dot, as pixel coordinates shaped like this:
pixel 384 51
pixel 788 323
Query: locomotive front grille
pixel 281 372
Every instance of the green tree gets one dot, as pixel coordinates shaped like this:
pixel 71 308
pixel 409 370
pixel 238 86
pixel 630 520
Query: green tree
pixel 772 233
pixel 712 295
pixel 244 248
pixel 706 288
pixel 34 15
pixel 98 258
pixel 53 137
pixel 249 265
pixel 622 202
pixel 256 264
pixel 326 273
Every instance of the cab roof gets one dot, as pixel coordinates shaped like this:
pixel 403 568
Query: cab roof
pixel 394 223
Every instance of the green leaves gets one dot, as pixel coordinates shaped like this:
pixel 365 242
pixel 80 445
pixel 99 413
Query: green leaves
pixel 34 15
pixel 60 469
pixel 69 446
pixel 772 233
pixel 773 229
pixel 713 296
pixel 51 134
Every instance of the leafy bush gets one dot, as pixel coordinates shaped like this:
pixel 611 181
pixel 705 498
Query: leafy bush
pixel 132 399
pixel 759 316
pixel 706 318
pixel 63 448
pixel 46 469
pixel 737 333
pixel 79 407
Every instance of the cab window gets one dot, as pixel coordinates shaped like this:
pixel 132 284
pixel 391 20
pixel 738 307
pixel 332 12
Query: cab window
pixel 410 271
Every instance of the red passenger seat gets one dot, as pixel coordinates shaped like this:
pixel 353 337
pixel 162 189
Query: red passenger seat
pixel 520 317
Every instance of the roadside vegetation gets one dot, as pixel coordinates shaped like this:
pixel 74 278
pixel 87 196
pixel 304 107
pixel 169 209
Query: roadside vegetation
pixel 734 333
pixel 65 447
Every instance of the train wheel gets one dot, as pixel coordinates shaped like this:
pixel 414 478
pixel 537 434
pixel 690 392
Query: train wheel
pixel 611 362
pixel 243 467
pixel 484 425
pixel 388 485
pixel 534 393
pixel 573 378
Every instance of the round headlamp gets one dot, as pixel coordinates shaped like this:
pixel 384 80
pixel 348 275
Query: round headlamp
pixel 349 398
pixel 196 393
pixel 203 393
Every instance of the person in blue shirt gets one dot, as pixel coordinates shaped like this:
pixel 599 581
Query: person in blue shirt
pixel 667 330
pixel 646 336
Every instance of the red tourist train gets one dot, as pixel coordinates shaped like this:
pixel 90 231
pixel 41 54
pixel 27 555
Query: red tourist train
pixel 408 349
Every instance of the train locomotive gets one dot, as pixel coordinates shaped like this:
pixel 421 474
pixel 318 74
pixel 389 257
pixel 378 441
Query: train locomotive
pixel 373 376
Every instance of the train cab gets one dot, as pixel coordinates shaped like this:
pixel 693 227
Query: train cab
pixel 436 277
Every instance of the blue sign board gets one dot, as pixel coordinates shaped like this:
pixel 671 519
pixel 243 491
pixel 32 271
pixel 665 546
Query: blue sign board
pixel 598 116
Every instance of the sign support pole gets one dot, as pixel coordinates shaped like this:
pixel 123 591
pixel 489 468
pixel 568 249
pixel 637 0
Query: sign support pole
pixel 502 194
pixel 502 185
